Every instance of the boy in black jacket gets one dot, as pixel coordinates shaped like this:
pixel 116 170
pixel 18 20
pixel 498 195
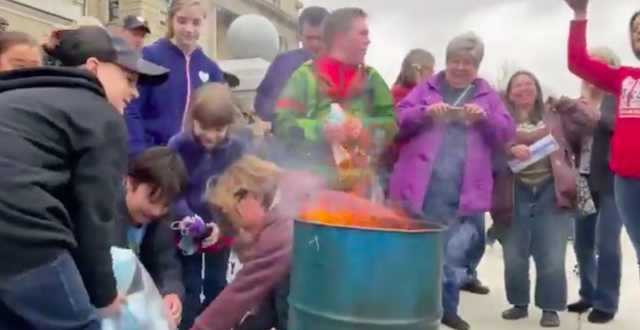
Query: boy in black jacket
pixel 156 178
pixel 63 155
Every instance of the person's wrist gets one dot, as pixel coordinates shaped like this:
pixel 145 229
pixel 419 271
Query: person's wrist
pixel 580 15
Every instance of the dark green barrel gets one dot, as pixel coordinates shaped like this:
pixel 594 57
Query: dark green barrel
pixel 347 278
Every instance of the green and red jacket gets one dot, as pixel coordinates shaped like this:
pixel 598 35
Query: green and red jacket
pixel 306 102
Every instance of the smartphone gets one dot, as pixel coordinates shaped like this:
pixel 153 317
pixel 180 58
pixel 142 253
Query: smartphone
pixel 455 113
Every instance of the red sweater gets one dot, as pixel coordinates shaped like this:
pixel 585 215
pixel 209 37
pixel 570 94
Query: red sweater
pixel 400 92
pixel 624 83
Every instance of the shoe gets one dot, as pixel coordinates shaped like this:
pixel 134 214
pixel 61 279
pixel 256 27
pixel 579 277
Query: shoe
pixel 516 313
pixel 475 287
pixel 600 317
pixel 454 321
pixel 550 319
pixel 581 306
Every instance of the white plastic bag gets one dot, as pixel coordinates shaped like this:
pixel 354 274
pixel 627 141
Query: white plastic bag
pixel 144 309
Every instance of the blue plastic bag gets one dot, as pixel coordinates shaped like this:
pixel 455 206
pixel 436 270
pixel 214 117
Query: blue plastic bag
pixel 145 309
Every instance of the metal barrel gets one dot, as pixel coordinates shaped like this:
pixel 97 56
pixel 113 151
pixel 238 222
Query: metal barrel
pixel 348 278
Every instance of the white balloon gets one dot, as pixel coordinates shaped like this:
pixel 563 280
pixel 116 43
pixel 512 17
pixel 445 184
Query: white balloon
pixel 253 36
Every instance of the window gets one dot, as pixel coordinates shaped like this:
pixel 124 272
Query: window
pixel 82 4
pixel 283 45
pixel 165 5
pixel 114 10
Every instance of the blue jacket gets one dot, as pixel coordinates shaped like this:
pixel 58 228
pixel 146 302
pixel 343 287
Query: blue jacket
pixel 156 116
pixel 203 165
pixel 275 79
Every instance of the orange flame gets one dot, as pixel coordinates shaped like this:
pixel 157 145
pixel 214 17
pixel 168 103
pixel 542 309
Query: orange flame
pixel 344 209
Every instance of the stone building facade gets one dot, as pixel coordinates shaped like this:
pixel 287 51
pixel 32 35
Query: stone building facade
pixel 38 16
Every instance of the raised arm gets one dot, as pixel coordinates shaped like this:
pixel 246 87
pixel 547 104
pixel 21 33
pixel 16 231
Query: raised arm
pixel 584 66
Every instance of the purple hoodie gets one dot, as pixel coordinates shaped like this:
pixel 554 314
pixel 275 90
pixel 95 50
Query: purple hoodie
pixel 411 173
pixel 275 79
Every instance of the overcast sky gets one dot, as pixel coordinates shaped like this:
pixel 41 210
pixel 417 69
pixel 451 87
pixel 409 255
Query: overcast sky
pixel 528 33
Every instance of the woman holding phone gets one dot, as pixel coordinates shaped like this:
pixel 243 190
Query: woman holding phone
pixel 455 121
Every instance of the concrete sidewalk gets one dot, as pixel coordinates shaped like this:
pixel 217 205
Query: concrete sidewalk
pixel 483 312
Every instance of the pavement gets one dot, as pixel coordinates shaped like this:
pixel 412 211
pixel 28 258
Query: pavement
pixel 483 312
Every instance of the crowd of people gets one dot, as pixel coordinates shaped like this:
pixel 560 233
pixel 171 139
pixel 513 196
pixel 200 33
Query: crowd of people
pixel 107 142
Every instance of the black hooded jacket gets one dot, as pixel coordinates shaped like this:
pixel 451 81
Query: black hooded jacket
pixel 63 156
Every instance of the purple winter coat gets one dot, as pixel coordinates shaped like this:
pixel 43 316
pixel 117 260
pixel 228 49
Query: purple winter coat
pixel 411 173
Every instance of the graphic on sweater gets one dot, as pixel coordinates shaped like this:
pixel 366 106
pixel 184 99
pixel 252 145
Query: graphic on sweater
pixel 630 98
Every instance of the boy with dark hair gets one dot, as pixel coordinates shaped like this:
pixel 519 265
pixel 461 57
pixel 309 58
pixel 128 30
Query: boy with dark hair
pixel 155 180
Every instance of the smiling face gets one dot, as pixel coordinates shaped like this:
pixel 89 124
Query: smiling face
pixel 187 23
pixel 522 91
pixel 461 69
pixel 143 203
pixel 120 85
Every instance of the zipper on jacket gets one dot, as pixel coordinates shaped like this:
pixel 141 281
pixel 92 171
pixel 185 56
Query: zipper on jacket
pixel 187 101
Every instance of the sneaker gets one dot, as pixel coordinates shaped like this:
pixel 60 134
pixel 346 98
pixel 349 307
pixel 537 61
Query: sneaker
pixel 454 321
pixel 581 306
pixel 550 319
pixel 516 313
pixel 475 287
pixel 600 317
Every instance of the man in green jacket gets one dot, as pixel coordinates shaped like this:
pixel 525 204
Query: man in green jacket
pixel 339 79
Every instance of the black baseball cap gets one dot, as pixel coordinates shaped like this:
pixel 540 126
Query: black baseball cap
pixel 135 22
pixel 77 46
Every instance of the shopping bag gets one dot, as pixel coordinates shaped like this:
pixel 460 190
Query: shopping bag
pixel 145 309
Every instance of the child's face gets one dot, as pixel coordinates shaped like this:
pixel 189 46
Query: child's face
pixel 142 205
pixel 252 214
pixel 210 137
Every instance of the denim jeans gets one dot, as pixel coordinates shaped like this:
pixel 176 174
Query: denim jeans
pixel 463 250
pixel 50 297
pixel 599 255
pixel 540 229
pixel 197 281
pixel 627 191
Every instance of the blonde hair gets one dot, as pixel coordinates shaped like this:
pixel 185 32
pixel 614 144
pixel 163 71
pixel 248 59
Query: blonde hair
pixel 212 106
pixel 248 175
pixel 414 62
pixel 606 55
pixel 603 54
pixel 176 6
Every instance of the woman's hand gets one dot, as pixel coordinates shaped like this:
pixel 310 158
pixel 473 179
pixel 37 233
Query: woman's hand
pixel 474 113
pixel 437 109
pixel 578 6
pixel 521 152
